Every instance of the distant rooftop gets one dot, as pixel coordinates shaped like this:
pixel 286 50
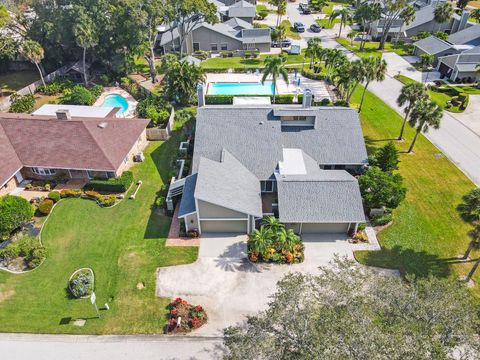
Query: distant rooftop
pixel 78 110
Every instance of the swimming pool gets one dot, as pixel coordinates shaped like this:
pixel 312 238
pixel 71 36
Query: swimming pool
pixel 241 88
pixel 116 100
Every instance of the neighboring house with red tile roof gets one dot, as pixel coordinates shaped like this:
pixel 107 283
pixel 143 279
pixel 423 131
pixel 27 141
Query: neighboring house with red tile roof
pixel 43 147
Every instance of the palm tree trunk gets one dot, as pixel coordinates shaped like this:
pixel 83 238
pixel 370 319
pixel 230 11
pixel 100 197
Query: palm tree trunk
pixel 278 16
pixel 363 96
pixel 470 274
pixel 414 140
pixel 470 248
pixel 400 137
pixel 40 72
pixel 340 31
pixel 85 80
pixel 151 64
pixel 274 88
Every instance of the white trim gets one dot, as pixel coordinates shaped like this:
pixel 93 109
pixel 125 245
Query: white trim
pixel 185 215
pixel 198 217
pixel 224 219
pixel 300 230
pixel 68 168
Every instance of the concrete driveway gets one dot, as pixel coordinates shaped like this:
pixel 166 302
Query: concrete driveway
pixel 471 116
pixel 399 65
pixel 229 286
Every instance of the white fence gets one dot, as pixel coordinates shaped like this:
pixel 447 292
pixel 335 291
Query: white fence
pixel 162 133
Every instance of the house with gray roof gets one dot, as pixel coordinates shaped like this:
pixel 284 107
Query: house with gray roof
pixel 241 9
pixel 461 66
pixel 294 162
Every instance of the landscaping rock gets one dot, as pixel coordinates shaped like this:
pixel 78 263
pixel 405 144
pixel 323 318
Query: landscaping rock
pixel 79 322
pixel 140 286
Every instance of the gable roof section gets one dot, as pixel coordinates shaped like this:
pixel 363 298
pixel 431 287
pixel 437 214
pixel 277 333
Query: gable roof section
pixel 468 36
pixel 9 161
pixel 238 24
pixel 79 143
pixel 256 36
pixel 242 9
pixel 432 45
pixel 255 136
pixel 228 184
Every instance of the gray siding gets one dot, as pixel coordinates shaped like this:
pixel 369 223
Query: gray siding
pixel 205 37
pixel 211 211
pixel 224 226
pixel 431 26
pixel 325 228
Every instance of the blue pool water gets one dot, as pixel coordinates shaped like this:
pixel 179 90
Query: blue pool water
pixel 241 88
pixel 115 100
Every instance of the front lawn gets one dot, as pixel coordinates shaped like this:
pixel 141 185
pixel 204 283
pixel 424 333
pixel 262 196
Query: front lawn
pixel 440 96
pixel 371 48
pixel 427 233
pixel 123 245
pixel 217 63
pixel 289 31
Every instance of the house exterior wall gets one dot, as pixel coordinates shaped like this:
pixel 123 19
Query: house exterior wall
pixel 224 226
pixel 9 186
pixel 431 26
pixel 460 75
pixel 206 37
pixel 191 222
pixel 139 146
pixel 211 211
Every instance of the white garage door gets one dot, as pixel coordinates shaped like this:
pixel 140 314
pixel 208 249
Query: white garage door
pixel 324 228
pixel 224 226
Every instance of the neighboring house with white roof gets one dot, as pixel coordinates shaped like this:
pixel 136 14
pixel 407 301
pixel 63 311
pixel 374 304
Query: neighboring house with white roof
pixel 83 111
pixel 294 162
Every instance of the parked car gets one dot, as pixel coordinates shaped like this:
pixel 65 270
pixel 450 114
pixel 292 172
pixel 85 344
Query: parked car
pixel 281 43
pixel 299 27
pixel 315 28
pixel 306 11
pixel 303 6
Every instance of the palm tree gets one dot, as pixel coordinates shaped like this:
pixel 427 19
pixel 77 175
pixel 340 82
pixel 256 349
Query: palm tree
pixel 475 243
pixel 345 16
pixel 351 35
pixel 374 69
pixel 260 239
pixel 34 52
pixel 469 209
pixel 288 238
pixel 410 94
pixel 425 114
pixel 274 67
pixel 281 8
pixel 426 60
pixel 443 13
pixel 313 49
pixel 333 58
pixel 86 38
pixel 408 16
pixel 474 268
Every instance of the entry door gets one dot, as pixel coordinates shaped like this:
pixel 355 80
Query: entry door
pixel 196 46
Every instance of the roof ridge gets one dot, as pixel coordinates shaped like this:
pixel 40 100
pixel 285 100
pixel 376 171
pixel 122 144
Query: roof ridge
pixel 98 145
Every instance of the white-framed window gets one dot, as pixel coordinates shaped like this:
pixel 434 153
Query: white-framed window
pixel 43 171
pixel 214 47
pixel 268 186
pixel 224 47
pixel 125 160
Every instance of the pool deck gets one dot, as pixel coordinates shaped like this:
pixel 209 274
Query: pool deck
pixel 319 88
pixel 132 103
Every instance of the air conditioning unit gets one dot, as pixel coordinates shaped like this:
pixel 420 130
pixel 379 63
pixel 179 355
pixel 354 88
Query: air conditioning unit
pixel 139 157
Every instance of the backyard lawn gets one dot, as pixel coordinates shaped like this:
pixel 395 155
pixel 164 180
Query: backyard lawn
pixel 123 245
pixel 293 61
pixel 440 97
pixel 371 48
pixel 427 233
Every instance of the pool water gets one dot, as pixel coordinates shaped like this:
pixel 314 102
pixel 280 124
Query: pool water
pixel 241 88
pixel 116 100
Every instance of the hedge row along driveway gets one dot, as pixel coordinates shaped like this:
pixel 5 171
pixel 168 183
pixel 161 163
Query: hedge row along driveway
pixel 123 245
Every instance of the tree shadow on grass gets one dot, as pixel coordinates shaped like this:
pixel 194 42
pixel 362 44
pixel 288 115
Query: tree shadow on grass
pixel 408 261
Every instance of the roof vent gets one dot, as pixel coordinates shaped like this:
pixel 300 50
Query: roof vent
pixel 63 114
pixel 102 125
pixel 261 123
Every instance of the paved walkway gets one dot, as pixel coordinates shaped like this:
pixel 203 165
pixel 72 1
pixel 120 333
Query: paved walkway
pixel 80 347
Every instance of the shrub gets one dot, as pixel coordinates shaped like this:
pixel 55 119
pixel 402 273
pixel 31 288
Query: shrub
pixel 54 195
pixel 381 189
pixel 200 54
pixel 312 75
pixel 193 316
pixel 118 184
pixel 342 103
pixel 362 226
pixel 36 257
pixel 380 220
pixel 45 206
pixel 78 95
pixel 27 247
pixel 160 201
pixel 263 13
pixel 283 99
pixel 219 99
pixel 55 87
pixel 107 200
pixel 15 211
pixel 21 104
pixel 386 158
pixel 154 108
pixel 71 193
pixel 325 102
pixel 81 284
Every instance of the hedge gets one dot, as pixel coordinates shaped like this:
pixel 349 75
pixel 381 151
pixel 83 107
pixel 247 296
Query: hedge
pixel 283 99
pixel 312 75
pixel 219 99
pixel 117 184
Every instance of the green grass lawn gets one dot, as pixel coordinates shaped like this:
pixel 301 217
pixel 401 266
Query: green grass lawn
pixel 239 62
pixel 440 97
pixel 123 245
pixel 371 48
pixel 289 31
pixel 16 80
pixel 472 90
pixel 427 233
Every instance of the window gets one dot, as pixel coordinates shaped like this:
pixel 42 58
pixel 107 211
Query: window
pixel 339 167
pixel 328 167
pixel 196 46
pixel 90 174
pixel 43 171
pixel 110 174
pixel 267 186
pixel 125 160
pixel 214 47
pixel 224 47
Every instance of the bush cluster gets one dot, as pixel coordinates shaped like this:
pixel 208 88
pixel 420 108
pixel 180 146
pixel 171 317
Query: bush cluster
pixel 283 99
pixel 380 220
pixel 103 200
pixel 21 104
pixel 28 247
pixel 193 316
pixel 118 184
pixel 55 196
pixel 154 108
pixel 310 74
pixel 15 212
pixel 80 95
pixel 45 206
pixel 81 284
pixel 56 87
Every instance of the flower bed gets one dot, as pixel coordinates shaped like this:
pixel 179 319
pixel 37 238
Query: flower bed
pixel 274 243
pixel 185 317
pixel 81 283
pixel 102 200
pixel 27 253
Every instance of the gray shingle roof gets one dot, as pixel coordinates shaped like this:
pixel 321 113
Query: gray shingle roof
pixel 333 196
pixel 228 184
pixel 432 45
pixel 187 204
pixel 238 24
pixel 466 67
pixel 256 36
pixel 255 136
pixel 242 9
pixel 470 36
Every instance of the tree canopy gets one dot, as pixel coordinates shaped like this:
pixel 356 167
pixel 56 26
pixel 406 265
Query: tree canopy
pixel 380 188
pixel 352 312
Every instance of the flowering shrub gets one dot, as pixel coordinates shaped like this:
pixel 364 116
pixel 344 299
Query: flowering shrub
pixel 45 206
pixel 185 317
